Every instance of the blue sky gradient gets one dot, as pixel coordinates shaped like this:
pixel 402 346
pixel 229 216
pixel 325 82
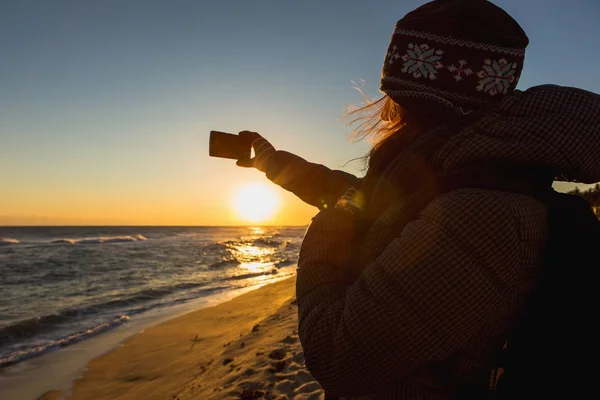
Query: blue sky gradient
pixel 108 104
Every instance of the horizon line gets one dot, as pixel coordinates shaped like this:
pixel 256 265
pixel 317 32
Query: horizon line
pixel 151 226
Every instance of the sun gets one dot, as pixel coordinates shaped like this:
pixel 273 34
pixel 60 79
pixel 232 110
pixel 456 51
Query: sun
pixel 255 202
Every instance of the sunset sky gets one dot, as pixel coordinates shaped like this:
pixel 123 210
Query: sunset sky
pixel 106 106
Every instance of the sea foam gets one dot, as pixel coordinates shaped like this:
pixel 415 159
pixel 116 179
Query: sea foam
pixel 101 240
pixel 7 241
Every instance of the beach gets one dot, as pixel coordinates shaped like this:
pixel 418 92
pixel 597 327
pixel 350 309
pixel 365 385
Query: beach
pixel 245 348
pixel 72 295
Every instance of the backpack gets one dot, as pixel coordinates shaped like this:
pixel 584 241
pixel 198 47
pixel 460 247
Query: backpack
pixel 552 352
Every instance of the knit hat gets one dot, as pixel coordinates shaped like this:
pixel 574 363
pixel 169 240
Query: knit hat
pixel 460 54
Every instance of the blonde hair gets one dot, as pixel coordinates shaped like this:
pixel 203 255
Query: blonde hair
pixel 390 127
pixel 375 119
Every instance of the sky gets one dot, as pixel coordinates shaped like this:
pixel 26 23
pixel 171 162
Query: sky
pixel 106 106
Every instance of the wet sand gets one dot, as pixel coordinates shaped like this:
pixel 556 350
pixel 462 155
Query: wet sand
pixel 246 348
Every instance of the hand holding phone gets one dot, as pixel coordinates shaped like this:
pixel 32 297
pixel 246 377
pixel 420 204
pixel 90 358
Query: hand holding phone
pixel 239 147
pixel 262 151
pixel 228 145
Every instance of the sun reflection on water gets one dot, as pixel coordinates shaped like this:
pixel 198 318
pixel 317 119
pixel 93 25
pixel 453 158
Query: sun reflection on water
pixel 255 266
pixel 257 256
pixel 246 251
pixel 257 230
pixel 253 259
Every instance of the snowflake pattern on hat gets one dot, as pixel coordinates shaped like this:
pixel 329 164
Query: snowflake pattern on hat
pixel 392 56
pixel 496 76
pixel 459 74
pixel 461 71
pixel 421 61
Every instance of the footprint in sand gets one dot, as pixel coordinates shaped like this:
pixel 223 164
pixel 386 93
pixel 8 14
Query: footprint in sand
pixel 287 387
pixel 290 340
pixel 278 354
pixel 227 361
pixel 252 394
pixel 303 377
pixel 277 367
pixel 294 380
pixel 283 377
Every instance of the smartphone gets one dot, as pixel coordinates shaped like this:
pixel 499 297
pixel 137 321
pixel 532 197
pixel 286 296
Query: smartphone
pixel 228 145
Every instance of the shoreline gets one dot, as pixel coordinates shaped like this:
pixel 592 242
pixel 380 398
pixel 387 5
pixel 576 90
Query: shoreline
pixel 246 347
pixel 55 372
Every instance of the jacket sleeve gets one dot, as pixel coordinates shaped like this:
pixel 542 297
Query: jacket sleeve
pixel 315 184
pixel 448 274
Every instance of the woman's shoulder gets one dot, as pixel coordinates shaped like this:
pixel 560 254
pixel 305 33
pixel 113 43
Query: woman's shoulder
pixel 556 89
pixel 547 98
pixel 479 214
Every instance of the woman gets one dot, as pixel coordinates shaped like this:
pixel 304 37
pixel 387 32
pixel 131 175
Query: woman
pixel 410 279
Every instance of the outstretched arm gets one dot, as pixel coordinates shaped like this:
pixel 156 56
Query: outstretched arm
pixel 313 183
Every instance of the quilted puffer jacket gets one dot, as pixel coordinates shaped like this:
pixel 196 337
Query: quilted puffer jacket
pixel 433 303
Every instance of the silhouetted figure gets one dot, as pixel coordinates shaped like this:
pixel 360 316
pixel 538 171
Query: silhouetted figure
pixel 412 278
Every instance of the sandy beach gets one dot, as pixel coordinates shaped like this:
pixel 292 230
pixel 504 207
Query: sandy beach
pixel 246 348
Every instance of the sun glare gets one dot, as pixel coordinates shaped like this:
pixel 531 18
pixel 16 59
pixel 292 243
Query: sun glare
pixel 255 202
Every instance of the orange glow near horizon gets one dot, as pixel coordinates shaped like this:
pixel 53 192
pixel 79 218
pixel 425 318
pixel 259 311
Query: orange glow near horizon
pixel 184 203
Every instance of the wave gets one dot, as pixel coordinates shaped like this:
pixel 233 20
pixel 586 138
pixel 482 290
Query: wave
pixel 285 262
pixel 225 247
pixel 27 329
pixel 8 241
pixel 232 262
pixel 101 240
pixel 266 241
pixel 34 326
pixel 62 342
pixel 260 242
pixel 31 327
pixel 252 275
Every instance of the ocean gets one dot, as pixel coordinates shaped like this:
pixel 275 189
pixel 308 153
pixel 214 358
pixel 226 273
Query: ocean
pixel 63 285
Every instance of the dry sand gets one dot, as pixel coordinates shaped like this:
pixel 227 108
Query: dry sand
pixel 246 348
